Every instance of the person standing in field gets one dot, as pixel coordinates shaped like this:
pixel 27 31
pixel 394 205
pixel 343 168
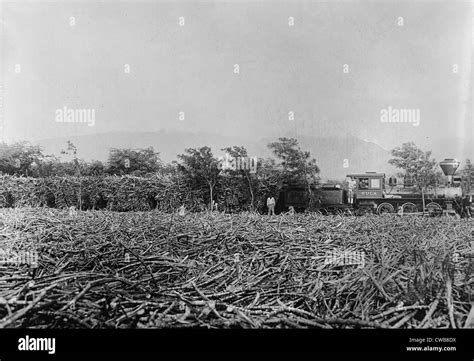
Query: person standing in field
pixel 271 205
pixel 350 189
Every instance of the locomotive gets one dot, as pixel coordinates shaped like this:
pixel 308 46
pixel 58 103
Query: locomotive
pixel 372 193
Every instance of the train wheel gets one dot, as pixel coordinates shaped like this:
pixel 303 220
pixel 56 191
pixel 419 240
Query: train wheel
pixel 385 208
pixel 434 209
pixel 409 208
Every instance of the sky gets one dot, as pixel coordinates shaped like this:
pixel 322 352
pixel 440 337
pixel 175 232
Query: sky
pixel 332 73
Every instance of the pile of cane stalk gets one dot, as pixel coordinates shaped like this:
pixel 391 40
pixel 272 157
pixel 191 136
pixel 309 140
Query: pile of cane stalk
pixel 101 269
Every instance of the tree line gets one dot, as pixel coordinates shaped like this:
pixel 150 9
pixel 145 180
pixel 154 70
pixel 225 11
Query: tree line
pixel 199 169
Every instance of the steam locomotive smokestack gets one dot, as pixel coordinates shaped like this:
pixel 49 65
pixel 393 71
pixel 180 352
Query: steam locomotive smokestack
pixel 449 167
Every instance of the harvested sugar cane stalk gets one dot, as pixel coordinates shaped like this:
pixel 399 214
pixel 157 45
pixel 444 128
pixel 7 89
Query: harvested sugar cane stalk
pixel 155 269
pixel 25 310
pixel 425 322
pixel 449 299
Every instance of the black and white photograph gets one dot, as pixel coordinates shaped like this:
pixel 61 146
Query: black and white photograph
pixel 199 169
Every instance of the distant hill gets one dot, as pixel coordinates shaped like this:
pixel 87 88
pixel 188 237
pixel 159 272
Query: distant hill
pixel 330 152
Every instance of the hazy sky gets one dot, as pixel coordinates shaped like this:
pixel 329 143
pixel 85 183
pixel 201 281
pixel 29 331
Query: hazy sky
pixel 283 68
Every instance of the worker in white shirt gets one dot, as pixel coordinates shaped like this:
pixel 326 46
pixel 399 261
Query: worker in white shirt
pixel 271 205
pixel 351 183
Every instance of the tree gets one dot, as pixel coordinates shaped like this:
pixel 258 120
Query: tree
pixel 297 165
pixel 237 152
pixel 21 159
pixel 417 164
pixel 467 175
pixel 95 168
pixel 199 166
pixel 48 166
pixel 72 151
pixel 130 161
pixel 270 178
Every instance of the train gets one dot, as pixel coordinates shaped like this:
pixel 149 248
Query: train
pixel 372 192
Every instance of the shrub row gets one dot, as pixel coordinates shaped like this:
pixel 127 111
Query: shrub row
pixel 115 193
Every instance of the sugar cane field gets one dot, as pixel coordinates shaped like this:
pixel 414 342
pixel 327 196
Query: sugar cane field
pixel 105 269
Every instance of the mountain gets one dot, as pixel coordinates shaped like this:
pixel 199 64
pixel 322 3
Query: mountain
pixel 336 157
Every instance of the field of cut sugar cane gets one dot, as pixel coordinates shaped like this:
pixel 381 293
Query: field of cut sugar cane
pixel 103 269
